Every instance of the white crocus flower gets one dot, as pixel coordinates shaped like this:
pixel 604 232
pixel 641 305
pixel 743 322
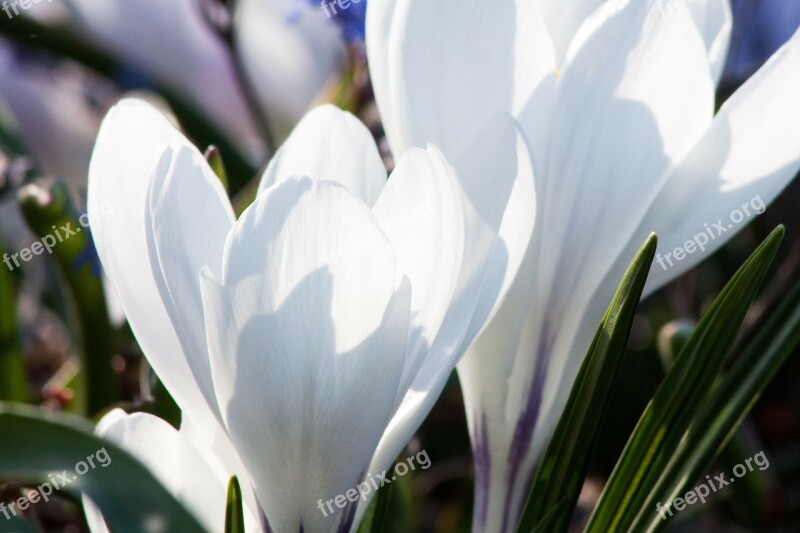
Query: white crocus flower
pixel 55 111
pixel 308 339
pixel 616 100
pixel 172 43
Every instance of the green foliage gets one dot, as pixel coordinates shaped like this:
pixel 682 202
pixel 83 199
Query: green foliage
pixel 559 477
pixel 234 511
pixel 676 433
pixel 35 444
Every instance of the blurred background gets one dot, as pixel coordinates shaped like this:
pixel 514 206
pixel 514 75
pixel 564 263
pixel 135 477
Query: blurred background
pixel 238 75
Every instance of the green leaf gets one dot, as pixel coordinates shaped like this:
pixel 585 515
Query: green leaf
pixel 49 213
pixel 214 158
pixel 10 142
pixel 731 401
pixel 550 521
pixel 560 474
pixel 684 389
pixel 35 443
pixel 234 512
pixel 374 520
pixel 13 378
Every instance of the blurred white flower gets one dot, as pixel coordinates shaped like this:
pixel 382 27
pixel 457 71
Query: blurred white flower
pixel 57 108
pixel 319 328
pixel 616 100
pixel 171 42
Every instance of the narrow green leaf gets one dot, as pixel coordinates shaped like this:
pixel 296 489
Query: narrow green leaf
pixel 214 158
pixel 562 469
pixel 41 447
pixel 11 145
pixel 234 512
pixel 51 216
pixel 13 378
pixel 550 522
pixel 670 412
pixel 375 518
pixel 732 399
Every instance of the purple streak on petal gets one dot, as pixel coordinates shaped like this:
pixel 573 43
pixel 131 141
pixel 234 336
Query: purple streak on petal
pixel 526 424
pixel 480 452
pixel 264 521
pixel 348 515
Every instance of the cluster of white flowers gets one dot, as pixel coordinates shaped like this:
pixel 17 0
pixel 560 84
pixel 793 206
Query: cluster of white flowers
pixel 538 144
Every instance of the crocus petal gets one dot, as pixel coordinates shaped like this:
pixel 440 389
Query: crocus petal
pixel 751 150
pixel 536 76
pixel 564 19
pixel 130 143
pixel 714 19
pixel 287 61
pixel 187 471
pixel 181 243
pixel 498 152
pixel 420 83
pixel 654 74
pixel 422 215
pixel 307 335
pixel 343 151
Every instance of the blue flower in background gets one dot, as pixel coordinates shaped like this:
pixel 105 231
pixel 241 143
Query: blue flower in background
pixel 760 27
pixel 88 256
pixel 349 15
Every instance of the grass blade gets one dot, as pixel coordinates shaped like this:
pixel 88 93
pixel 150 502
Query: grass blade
pixel 35 444
pixel 562 469
pixel 670 412
pixel 234 511
pixel 732 400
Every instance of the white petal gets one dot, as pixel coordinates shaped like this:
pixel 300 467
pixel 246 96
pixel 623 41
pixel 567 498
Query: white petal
pixel 287 62
pixel 330 144
pixel 564 19
pixel 536 77
pixel 130 143
pixel 634 97
pixel 188 220
pixel 750 153
pixel 182 466
pixel 441 70
pixel 422 215
pixel 714 19
pixel 306 336
pixel 492 167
